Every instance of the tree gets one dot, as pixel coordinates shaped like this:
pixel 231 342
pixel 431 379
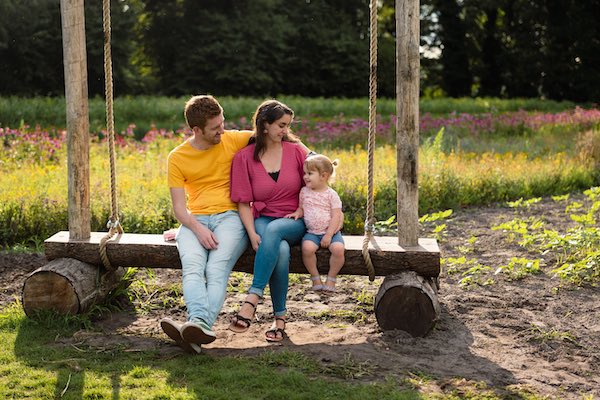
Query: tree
pixel 31 47
pixel 456 73
pixel 571 53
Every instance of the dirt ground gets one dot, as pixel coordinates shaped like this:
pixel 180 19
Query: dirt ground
pixel 527 335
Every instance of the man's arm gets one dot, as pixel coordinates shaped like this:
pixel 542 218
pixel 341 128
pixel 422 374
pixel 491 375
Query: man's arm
pixel 205 236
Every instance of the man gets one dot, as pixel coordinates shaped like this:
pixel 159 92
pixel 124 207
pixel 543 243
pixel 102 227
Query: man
pixel 211 237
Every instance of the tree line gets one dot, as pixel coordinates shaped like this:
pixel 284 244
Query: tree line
pixel 500 48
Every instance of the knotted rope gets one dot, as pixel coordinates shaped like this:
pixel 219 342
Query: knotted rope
pixel 113 224
pixel 369 220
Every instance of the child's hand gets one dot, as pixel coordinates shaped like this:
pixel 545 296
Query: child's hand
pixel 325 241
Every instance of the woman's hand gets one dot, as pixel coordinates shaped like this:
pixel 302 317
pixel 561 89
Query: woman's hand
pixel 254 240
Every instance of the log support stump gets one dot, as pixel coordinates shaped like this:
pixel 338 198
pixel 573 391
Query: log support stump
pixel 67 286
pixel 409 302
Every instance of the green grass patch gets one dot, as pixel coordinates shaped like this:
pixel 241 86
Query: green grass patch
pixel 450 176
pixel 38 360
pixel 36 364
pixel 167 112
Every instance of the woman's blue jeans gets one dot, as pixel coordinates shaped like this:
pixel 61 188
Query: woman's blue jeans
pixel 272 261
pixel 206 272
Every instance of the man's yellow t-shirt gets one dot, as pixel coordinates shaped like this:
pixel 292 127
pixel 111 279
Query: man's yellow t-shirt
pixel 204 174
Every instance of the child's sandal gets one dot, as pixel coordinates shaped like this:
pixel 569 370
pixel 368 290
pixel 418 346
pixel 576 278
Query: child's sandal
pixel 319 286
pixel 327 288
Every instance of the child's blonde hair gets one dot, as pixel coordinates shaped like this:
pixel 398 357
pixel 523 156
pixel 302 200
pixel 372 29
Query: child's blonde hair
pixel 322 164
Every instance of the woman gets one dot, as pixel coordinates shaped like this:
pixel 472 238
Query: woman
pixel 266 178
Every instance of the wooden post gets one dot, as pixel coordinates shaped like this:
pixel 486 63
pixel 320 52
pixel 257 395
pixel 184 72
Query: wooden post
pixel 407 123
pixel 76 96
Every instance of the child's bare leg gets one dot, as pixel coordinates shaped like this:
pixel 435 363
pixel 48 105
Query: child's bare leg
pixel 336 262
pixel 309 257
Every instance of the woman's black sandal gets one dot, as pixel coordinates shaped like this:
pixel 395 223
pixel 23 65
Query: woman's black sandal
pixel 278 333
pixel 235 327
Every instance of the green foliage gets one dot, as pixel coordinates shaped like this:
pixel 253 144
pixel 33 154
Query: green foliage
pixel 470 271
pixel 296 53
pixel 575 250
pixel 518 228
pixel 162 47
pixel 144 112
pixel 34 187
pixel 519 267
pixel 520 203
pixel 543 334
pixel 32 50
pixel 435 216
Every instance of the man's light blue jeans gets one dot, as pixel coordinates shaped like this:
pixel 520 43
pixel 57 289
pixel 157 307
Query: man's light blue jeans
pixel 206 272
pixel 272 261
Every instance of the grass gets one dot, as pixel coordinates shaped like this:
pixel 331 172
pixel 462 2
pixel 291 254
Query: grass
pixel 40 360
pixel 165 112
pixel 35 194
pixel 36 364
pixel 451 175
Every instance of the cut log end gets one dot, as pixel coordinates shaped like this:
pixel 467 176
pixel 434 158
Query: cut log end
pixel 407 302
pixel 67 286
pixel 47 290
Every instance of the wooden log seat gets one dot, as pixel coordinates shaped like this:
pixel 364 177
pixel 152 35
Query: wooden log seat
pixel 146 250
pixel 407 299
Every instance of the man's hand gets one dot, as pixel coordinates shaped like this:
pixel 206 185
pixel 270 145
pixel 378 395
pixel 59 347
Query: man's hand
pixel 207 238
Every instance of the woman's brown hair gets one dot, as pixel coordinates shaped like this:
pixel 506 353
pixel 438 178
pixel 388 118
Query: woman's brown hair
pixel 267 113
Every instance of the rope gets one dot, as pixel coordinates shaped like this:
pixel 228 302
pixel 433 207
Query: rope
pixel 113 224
pixel 369 221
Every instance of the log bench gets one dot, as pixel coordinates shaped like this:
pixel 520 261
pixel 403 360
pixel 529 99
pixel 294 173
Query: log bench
pixel 406 300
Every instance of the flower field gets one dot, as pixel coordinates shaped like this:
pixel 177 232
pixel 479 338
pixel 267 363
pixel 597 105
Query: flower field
pixel 465 159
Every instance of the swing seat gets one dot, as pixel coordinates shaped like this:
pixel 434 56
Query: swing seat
pixel 72 281
pixel 147 250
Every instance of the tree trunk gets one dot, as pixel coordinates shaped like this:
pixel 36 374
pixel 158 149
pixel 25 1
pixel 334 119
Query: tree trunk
pixel 67 286
pixel 407 301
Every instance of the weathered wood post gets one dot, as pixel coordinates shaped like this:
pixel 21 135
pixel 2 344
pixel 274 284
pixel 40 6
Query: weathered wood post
pixel 76 96
pixel 407 301
pixel 67 285
pixel 407 122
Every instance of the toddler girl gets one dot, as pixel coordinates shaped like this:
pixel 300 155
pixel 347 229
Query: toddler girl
pixel 321 208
